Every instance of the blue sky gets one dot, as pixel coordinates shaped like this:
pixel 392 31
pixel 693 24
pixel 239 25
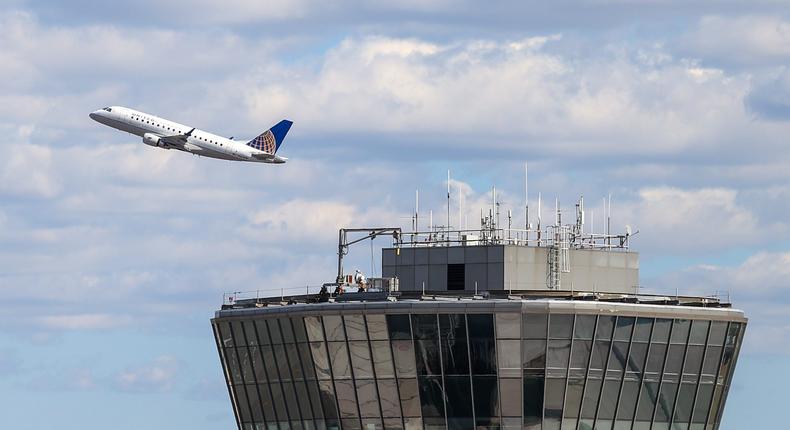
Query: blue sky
pixel 113 255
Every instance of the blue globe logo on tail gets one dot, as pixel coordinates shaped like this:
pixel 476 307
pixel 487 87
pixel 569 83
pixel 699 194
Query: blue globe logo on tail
pixel 270 140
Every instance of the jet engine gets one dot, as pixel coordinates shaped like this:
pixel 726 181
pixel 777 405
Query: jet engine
pixel 153 140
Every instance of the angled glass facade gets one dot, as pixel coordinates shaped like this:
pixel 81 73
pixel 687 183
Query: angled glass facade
pixel 532 366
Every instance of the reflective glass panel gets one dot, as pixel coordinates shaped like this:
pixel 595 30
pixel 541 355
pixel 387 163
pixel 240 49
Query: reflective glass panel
pixel 699 332
pixel 333 325
pixel 674 359
pixel 368 398
pixel 287 330
pixel 534 326
pixel 655 358
pixel 560 326
pixel 510 396
pixel 409 397
pixel 533 399
pixel 427 357
pixel 555 393
pixel 661 330
pixel 315 331
pixel 534 354
pixel 300 332
pixel 590 403
pixel 399 327
pixel 403 355
pixel 238 333
pixel 459 397
pixel 573 398
pixel 637 356
pixel 270 363
pixel 455 356
pixel 262 332
pixel 647 402
pixel 355 327
pixel 483 356
pixel 307 360
pixel 282 362
pixel 711 363
pixel 233 365
pixel 388 390
pixel 558 354
pixel 361 364
pixel 382 359
pixel 304 400
pixel 618 356
pixel 315 398
pixel 338 358
pixel 718 330
pixel 431 396
pixel 666 400
pixel 628 398
pixel 508 326
pixel 320 360
pixel 249 330
pixel 642 329
pixel 425 326
pixel 509 356
pixel 605 327
pixel 693 359
pixel 290 400
pixel 242 404
pixel 327 392
pixel 485 397
pixel 685 403
pixel 246 364
pixel 625 325
pixel 702 403
pixel 377 327
pixel 346 399
pixel 274 331
pixel 580 355
pixel 585 327
pixel 266 402
pixel 606 408
pixel 600 354
pixel 257 364
pixel 293 360
pixel 680 331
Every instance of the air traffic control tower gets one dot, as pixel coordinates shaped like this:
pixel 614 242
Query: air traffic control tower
pixel 495 328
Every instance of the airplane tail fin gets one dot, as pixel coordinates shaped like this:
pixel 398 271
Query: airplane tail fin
pixel 270 140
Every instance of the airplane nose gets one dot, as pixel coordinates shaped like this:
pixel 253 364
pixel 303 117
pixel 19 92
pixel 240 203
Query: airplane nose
pixel 94 116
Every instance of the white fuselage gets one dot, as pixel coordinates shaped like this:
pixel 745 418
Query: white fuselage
pixel 151 128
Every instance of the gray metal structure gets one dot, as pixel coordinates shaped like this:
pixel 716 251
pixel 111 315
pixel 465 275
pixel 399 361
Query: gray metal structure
pixel 481 329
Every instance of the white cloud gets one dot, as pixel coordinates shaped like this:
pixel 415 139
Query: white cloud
pixel 28 170
pixel 744 39
pixel 157 376
pixel 83 321
pixel 694 220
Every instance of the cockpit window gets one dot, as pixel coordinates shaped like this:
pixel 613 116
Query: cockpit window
pixel 107 109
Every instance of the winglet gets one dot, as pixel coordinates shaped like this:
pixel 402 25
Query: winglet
pixel 270 140
pixel 189 133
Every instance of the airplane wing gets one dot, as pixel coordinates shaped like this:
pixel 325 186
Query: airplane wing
pixel 177 140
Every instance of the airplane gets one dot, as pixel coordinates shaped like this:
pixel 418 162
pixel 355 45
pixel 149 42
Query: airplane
pixel 162 133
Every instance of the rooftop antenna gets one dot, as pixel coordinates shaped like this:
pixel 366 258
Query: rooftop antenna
pixel 416 209
pixel 539 216
pixel 448 201
pixel 609 222
pixel 460 207
pixel 526 199
pixel 430 220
